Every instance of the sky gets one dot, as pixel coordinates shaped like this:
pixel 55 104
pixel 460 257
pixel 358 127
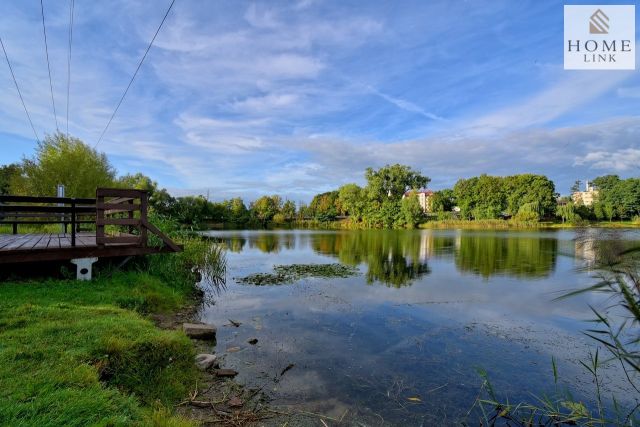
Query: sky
pixel 299 97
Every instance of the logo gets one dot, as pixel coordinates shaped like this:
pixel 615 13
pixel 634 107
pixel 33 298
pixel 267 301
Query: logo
pixel 599 23
pixel 599 37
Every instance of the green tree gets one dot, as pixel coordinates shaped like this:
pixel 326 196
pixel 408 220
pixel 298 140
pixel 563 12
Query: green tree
pixel 392 181
pixel 443 201
pixel 67 161
pixel 265 208
pixel 353 201
pixel 288 210
pixel 567 212
pixel 325 206
pixel 411 212
pixel 236 211
pixel 530 188
pixel 8 174
pixel 609 210
pixel 576 186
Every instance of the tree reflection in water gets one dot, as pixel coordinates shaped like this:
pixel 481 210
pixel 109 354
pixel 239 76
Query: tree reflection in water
pixel 396 258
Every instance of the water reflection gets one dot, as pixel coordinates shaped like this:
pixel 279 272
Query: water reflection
pixel 392 258
pixel 369 349
pixel 397 258
pixel 520 257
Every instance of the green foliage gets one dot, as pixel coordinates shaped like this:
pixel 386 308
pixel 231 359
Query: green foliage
pixel 353 200
pixel 325 206
pixel 265 208
pixel 67 161
pixel 392 181
pixel 529 212
pixel 443 201
pixel 567 212
pixel 288 211
pixel 8 174
pixel 488 197
pixel 620 198
pixel 411 213
pixel 528 188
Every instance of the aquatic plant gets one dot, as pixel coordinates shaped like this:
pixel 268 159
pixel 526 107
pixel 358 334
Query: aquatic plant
pixel 285 274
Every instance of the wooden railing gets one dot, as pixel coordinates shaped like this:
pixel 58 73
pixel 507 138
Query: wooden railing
pixel 112 211
pixel 28 210
pixel 125 208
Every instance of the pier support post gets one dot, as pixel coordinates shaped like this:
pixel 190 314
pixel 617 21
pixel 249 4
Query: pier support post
pixel 83 267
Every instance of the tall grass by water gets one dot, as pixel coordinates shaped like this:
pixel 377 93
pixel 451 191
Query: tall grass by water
pixel 615 336
pixel 85 353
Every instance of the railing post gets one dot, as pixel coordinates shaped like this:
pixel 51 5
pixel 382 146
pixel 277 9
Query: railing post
pixel 15 228
pixel 73 222
pixel 99 217
pixel 143 218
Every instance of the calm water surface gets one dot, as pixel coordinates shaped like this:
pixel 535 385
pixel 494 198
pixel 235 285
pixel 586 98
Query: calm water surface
pixel 428 309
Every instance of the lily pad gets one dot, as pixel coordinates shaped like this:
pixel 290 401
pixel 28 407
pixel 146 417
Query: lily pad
pixel 285 274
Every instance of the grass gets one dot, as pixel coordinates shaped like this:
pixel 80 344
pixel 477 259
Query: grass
pixel 81 353
pixel 84 353
pixel 499 224
pixel 492 224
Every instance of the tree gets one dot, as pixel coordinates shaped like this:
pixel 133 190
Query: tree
pixel 67 161
pixel 530 188
pixel 482 197
pixel 608 210
pixel 443 201
pixel 8 174
pixel 411 212
pixel 288 210
pixel 567 212
pixel 353 202
pixel 529 212
pixel 576 186
pixel 325 206
pixel 237 212
pixel 392 181
pixel 265 208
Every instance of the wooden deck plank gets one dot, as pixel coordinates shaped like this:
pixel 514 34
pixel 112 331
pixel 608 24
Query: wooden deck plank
pixel 30 241
pixel 6 239
pixel 18 243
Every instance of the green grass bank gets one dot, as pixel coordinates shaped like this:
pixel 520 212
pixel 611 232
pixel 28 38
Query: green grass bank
pixel 86 353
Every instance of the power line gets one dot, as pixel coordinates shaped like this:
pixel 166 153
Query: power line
pixel 134 74
pixel 46 49
pixel 18 89
pixel 71 7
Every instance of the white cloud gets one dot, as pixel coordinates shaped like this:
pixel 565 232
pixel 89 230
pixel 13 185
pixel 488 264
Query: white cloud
pixel 567 95
pixel 619 160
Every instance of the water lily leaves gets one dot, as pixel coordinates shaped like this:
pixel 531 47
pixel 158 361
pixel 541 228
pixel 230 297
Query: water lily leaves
pixel 285 274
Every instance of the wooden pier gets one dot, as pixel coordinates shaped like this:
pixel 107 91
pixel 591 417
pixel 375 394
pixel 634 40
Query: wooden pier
pixel 114 224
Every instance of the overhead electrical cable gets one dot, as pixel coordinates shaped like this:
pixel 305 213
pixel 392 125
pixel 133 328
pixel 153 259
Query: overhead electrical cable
pixel 71 7
pixel 18 89
pixel 46 49
pixel 134 75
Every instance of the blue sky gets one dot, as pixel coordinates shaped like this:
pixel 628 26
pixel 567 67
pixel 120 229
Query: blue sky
pixel 298 97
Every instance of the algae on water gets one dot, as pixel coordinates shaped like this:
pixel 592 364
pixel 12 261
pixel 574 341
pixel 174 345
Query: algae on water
pixel 285 274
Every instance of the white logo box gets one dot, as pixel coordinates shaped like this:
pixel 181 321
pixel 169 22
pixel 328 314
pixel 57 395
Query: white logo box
pixel 610 44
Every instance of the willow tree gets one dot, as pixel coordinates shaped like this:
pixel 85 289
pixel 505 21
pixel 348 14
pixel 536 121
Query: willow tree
pixel 68 161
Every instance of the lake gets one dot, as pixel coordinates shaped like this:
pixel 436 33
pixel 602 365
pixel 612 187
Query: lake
pixel 403 341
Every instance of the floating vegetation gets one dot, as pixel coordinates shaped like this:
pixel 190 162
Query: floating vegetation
pixel 284 274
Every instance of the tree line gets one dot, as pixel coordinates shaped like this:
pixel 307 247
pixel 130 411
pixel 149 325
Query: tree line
pixel 389 199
